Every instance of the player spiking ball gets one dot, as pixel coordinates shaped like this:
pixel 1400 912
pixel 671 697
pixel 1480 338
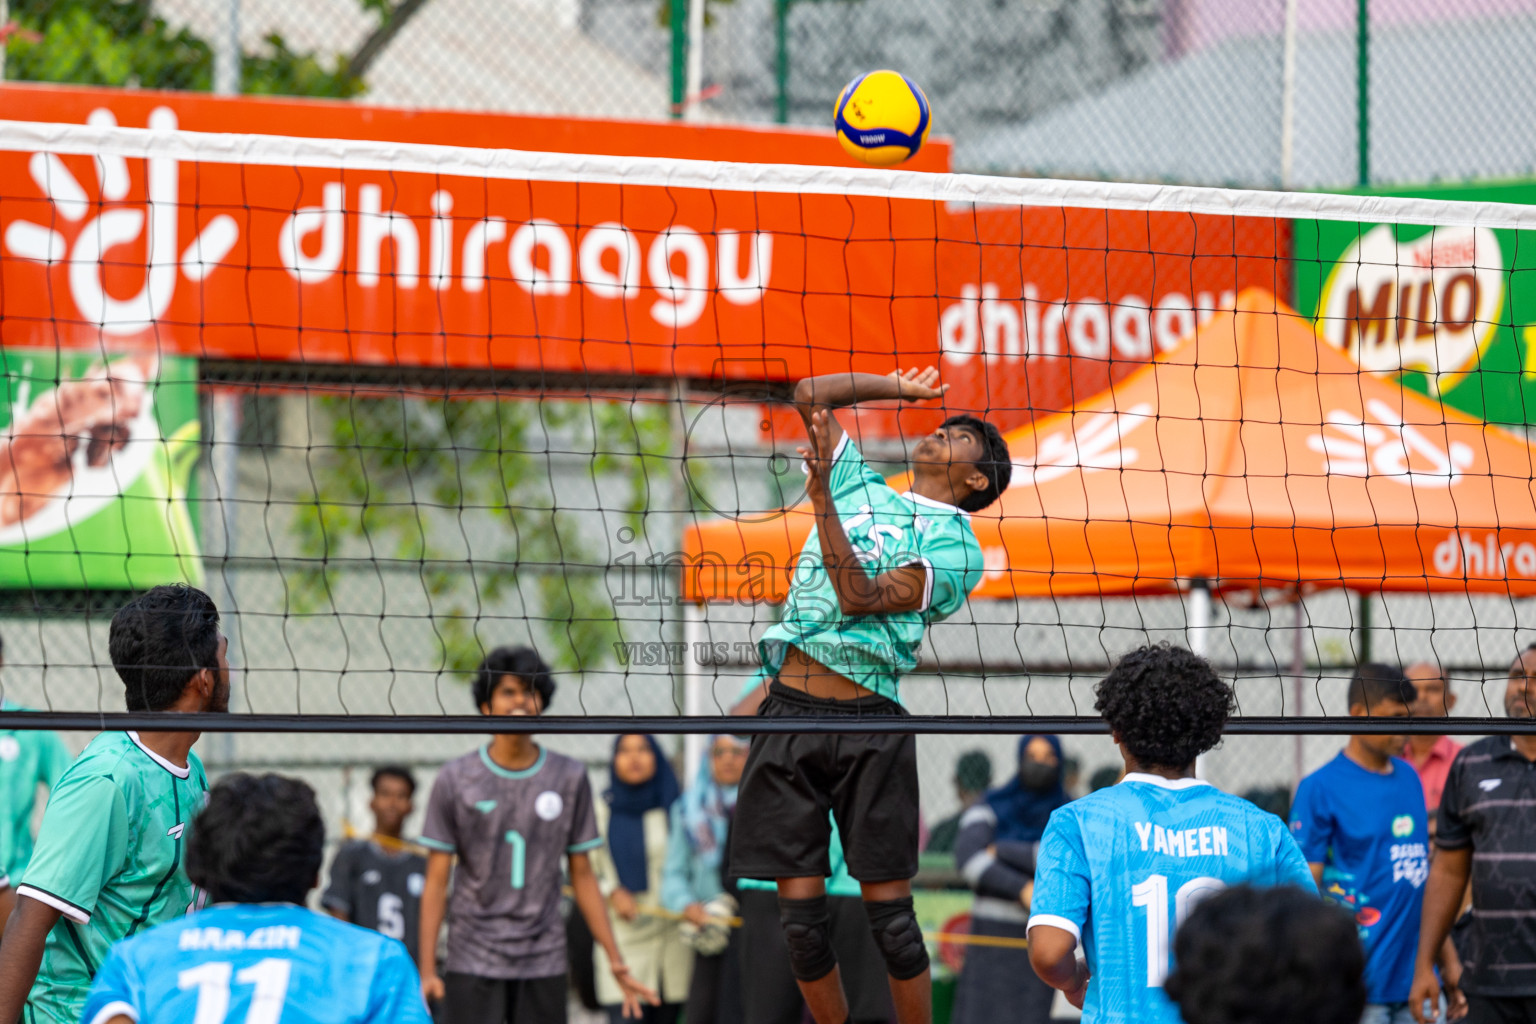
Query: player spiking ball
pixel 878 569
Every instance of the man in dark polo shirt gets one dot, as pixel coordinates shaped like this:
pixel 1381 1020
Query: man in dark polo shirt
pixel 1487 834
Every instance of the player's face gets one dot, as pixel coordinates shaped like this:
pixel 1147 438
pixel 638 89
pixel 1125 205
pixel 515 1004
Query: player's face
pixel 949 444
pixel 1520 694
pixel 1383 746
pixel 727 758
pixel 513 696
pixel 391 804
pixel 218 700
pixel 633 763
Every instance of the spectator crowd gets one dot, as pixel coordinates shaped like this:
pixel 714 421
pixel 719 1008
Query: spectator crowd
pixel 1423 842
pixel 626 894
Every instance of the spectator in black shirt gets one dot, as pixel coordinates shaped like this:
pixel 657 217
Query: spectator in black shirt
pixel 376 882
pixel 1487 833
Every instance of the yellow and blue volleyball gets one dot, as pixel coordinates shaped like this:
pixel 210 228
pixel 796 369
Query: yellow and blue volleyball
pixel 882 118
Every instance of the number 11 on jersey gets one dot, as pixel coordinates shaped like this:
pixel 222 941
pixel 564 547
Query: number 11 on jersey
pixel 1153 894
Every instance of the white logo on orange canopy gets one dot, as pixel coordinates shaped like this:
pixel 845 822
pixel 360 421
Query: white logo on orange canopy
pixel 1092 443
pixel 1385 446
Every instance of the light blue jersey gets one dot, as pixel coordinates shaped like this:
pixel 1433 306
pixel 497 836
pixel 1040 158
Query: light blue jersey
pixel 258 964
pixel 1121 867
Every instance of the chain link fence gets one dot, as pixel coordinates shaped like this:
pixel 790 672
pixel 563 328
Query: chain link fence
pixel 1268 93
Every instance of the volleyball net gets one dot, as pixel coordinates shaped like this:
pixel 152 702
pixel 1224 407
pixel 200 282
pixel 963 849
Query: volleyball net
pixel 394 405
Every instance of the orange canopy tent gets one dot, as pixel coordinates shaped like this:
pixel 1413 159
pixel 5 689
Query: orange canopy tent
pixel 1252 455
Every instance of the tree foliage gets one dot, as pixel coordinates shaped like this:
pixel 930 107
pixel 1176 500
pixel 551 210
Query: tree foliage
pixel 123 42
pixel 427 481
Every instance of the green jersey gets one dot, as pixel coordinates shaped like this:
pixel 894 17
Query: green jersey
pixel 109 859
pixel 28 758
pixel 888 530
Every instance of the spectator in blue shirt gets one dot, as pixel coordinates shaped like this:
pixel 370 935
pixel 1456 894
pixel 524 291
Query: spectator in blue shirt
pixel 1361 823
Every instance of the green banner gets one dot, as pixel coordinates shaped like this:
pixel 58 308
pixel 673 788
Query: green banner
pixel 96 458
pixel 1451 311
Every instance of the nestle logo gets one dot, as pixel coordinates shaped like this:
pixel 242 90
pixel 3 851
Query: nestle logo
pixel 872 140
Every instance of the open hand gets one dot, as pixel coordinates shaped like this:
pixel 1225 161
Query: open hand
pixel 818 455
pixel 916 385
pixel 634 993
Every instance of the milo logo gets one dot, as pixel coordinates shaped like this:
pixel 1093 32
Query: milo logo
pixel 1430 304
pixel 1402 826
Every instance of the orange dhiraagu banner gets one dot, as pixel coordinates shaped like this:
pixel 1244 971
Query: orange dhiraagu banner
pixel 340 266
pixel 1021 309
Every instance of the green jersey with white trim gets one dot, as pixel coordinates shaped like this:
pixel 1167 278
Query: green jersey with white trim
pixel 109 859
pixel 888 531
pixel 28 758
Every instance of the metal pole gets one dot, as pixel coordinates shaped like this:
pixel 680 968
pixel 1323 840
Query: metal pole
pixel 1363 91
pixel 226 52
pixel 693 687
pixel 679 21
pixel 1198 623
pixel 1365 627
pixel 1298 669
pixel 781 60
pixel 4 19
pixel 695 83
pixel 1197 630
pixel 221 518
pixel 1288 95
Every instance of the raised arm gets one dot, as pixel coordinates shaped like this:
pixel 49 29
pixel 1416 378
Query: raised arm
pixel 839 390
pixel 858 593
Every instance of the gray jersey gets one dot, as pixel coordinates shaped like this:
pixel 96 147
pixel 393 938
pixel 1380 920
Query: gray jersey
pixel 378 889
pixel 511 831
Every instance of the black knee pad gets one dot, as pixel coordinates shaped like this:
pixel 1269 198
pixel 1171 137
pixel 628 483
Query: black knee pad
pixel 806 929
pixel 898 936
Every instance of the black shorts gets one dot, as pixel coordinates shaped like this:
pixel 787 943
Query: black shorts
pixel 471 999
pixel 867 781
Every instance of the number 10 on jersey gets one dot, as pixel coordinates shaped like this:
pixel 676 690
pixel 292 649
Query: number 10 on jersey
pixel 1153 895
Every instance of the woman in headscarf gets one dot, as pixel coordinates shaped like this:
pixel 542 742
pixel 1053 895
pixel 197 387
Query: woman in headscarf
pixel 692 879
pixel 995 851
pixel 635 818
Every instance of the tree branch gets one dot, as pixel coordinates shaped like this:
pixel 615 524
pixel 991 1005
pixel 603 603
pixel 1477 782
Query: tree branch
pixel 381 37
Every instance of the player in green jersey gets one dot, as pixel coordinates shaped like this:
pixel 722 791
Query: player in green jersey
pixel 880 567
pixel 29 758
pixel 108 861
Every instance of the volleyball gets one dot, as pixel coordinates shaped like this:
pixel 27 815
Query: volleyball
pixel 882 118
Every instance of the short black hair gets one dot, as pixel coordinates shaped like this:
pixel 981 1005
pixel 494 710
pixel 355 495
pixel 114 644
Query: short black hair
pixel 160 640
pixel 1374 683
pixel 1268 956
pixel 521 661
pixel 393 771
pixel 995 462
pixel 1165 704
pixel 259 839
